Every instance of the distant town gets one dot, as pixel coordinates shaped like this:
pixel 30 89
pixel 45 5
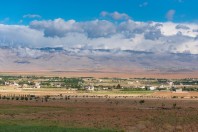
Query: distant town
pixel 99 84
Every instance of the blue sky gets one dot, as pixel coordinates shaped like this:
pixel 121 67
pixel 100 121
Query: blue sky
pixel 12 11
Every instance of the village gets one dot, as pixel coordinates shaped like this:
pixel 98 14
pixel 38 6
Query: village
pixel 99 84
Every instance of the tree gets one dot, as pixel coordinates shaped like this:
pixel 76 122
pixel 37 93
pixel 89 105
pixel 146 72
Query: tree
pixel 118 86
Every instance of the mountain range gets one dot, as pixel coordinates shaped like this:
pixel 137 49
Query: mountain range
pixel 94 60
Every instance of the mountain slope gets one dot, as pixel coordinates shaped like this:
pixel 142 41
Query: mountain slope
pixel 94 60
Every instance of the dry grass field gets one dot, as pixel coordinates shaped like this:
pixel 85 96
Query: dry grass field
pixel 59 110
pixel 108 114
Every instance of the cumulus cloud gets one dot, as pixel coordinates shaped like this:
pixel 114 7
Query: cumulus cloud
pixel 60 28
pixel 170 15
pixel 31 16
pixel 102 34
pixel 115 15
pixel 98 28
pixel 182 27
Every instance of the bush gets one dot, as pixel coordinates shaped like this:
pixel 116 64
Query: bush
pixel 175 97
pixel 22 98
pixel 4 97
pixel 26 98
pixel 174 105
pixel 17 98
pixel 141 101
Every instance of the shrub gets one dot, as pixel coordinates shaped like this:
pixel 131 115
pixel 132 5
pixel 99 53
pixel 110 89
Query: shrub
pixel 4 97
pixel 175 97
pixel 26 98
pixel 22 98
pixel 174 105
pixel 17 98
pixel 141 101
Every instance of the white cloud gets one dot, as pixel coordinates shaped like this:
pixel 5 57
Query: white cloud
pixel 56 28
pixel 115 15
pixel 31 16
pixel 103 34
pixel 60 28
pixel 184 27
pixel 170 15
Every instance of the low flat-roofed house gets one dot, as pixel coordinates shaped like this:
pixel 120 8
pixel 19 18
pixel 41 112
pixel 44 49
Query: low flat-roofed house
pixel 24 86
pixel 151 88
pixel 89 88
pixel 171 84
pixel 15 84
pixel 179 90
pixel 37 85
pixel 7 83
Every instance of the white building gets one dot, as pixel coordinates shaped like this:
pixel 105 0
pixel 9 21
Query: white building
pixel 37 85
pixel 152 88
pixel 179 90
pixel 89 88
pixel 15 84
pixel 171 84
pixel 7 83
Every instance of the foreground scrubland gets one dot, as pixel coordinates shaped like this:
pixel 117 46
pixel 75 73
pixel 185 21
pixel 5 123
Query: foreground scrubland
pixel 98 114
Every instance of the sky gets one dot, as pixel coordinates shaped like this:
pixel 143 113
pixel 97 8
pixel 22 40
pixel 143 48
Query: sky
pixel 143 25
pixel 12 12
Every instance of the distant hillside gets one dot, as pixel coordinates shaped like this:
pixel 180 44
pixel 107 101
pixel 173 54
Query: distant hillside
pixel 94 60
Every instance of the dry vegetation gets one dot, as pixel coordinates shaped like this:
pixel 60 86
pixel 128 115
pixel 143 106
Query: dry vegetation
pixel 121 114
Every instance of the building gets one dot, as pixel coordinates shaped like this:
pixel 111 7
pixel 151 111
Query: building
pixel 89 88
pixel 152 88
pixel 25 86
pixel 179 90
pixel 7 83
pixel 15 84
pixel 37 85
